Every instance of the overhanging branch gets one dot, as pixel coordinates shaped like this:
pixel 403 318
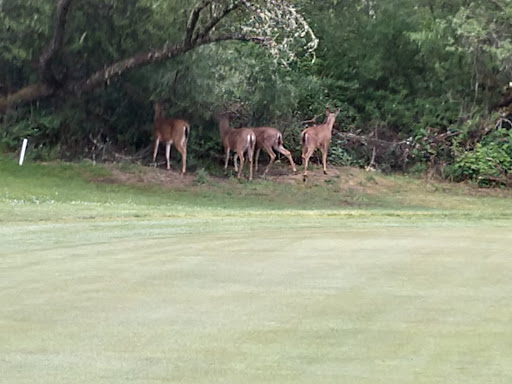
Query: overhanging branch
pixel 26 94
pixel 116 69
pixel 199 31
pixel 105 75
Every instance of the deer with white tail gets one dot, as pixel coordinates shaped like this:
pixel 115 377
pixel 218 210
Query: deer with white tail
pixel 240 140
pixel 170 131
pixel 317 136
pixel 270 139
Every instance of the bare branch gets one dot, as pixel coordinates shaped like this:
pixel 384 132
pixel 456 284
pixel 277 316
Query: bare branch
pixel 108 73
pixel 263 26
pixel 55 45
pixel 312 121
pixel 215 20
pixel 25 94
pixel 193 18
pixel 116 69
pixel 285 28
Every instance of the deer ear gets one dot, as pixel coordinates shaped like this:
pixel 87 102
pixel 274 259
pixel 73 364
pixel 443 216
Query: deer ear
pixel 327 110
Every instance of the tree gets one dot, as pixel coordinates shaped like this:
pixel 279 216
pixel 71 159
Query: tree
pixel 275 24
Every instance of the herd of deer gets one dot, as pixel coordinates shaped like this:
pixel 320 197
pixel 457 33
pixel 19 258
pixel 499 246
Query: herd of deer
pixel 244 141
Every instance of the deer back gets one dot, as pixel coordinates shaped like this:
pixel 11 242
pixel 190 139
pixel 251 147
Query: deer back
pixel 240 139
pixel 171 129
pixel 268 136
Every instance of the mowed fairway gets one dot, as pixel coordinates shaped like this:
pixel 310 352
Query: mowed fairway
pixel 253 296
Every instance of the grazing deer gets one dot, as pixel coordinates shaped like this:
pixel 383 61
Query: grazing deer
pixel 171 131
pixel 270 138
pixel 239 140
pixel 317 136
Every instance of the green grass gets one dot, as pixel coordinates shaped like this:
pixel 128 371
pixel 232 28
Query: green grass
pixel 370 280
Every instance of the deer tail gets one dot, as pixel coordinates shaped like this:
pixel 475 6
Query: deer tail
pixel 252 144
pixel 279 140
pixel 303 136
pixel 187 132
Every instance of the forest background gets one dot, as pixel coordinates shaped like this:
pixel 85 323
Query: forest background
pixel 423 86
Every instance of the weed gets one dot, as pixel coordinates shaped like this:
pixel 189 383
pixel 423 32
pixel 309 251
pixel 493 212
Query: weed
pixel 202 177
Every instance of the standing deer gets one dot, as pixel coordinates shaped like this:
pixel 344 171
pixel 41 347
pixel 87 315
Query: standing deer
pixel 170 131
pixel 317 136
pixel 239 140
pixel 270 138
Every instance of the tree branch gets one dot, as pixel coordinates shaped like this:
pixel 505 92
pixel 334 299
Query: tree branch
pixel 498 4
pixel 116 69
pixel 26 94
pixel 215 20
pixel 193 18
pixel 49 85
pixel 108 73
pixel 45 60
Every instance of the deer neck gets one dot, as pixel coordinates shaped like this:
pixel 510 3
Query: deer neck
pixel 224 127
pixel 324 131
pixel 159 115
pixel 330 123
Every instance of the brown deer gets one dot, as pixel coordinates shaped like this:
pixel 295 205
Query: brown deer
pixel 239 140
pixel 171 131
pixel 317 136
pixel 269 138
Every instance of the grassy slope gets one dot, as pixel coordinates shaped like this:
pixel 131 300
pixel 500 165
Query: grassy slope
pixel 358 279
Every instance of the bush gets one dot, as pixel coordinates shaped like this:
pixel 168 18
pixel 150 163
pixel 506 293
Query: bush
pixel 488 162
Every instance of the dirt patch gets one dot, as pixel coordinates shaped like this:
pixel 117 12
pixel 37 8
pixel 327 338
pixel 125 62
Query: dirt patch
pixel 151 176
pixel 344 178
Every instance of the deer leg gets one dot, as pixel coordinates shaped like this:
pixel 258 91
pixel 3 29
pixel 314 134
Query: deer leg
pixel 256 159
pixel 184 160
pixel 227 159
pixel 305 161
pixel 183 151
pixel 181 146
pixel 250 168
pixel 324 159
pixel 168 154
pixel 272 158
pixel 235 161
pixel 157 143
pixel 288 155
pixel 242 160
pixel 250 154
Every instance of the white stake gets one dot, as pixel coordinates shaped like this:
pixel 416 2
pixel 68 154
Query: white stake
pixel 23 149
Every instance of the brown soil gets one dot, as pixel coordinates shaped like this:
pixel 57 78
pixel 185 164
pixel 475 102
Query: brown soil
pixel 280 173
pixel 346 178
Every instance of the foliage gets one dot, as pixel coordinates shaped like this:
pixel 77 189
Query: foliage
pixel 24 29
pixel 428 73
pixel 489 162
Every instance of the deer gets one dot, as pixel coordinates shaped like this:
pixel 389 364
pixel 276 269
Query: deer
pixel 317 136
pixel 269 138
pixel 170 131
pixel 242 140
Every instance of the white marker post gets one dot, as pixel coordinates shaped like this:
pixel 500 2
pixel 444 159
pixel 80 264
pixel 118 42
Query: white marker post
pixel 23 149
